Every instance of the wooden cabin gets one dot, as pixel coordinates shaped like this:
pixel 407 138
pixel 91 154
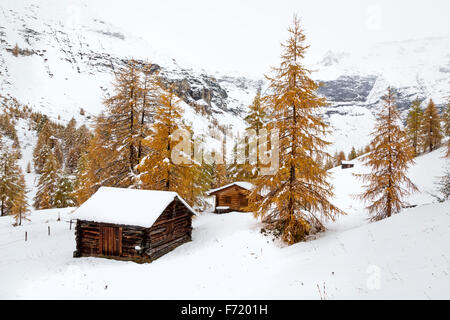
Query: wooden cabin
pixel 129 224
pixel 346 165
pixel 232 197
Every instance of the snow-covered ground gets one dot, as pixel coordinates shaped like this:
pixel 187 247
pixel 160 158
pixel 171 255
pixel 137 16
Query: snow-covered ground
pixel 405 256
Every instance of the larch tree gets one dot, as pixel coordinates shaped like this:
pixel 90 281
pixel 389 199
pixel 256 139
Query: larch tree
pixel 43 146
pixel 64 193
pixel 413 125
pixel 223 176
pixel 339 157
pixel 47 184
pixel 122 121
pixel 123 125
pixel 256 119
pixel 91 173
pixel 84 181
pixel 431 132
pixel 81 141
pixel 157 169
pixel 295 199
pixel 19 208
pixel 197 180
pixel 9 178
pixel 389 160
pixel 75 141
pixel 150 89
pixel 69 135
pixel 241 171
pixel 446 120
pixel 352 155
pixel 257 116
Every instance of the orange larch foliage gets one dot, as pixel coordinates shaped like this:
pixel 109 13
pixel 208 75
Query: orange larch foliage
pixel 157 171
pixel 295 199
pixel 431 128
pixel 389 159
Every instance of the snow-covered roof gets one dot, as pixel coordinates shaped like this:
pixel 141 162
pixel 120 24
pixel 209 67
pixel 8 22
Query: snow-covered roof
pixel 126 206
pixel 245 185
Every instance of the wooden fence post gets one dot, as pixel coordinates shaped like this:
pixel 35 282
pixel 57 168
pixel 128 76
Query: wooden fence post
pixel 48 230
pixel 26 235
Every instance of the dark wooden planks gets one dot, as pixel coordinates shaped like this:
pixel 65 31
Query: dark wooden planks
pixel 172 228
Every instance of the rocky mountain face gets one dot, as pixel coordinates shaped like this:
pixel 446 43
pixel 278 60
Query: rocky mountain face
pixel 414 68
pixel 59 62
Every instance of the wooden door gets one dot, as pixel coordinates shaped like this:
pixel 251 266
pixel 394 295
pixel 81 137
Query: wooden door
pixel 111 241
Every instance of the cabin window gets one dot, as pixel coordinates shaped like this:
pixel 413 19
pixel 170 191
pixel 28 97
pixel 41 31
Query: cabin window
pixel 244 202
pixel 227 199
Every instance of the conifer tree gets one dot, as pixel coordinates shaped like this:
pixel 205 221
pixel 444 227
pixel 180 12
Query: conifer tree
pixel 414 124
pixel 241 171
pixel 329 164
pixel 446 120
pixel 89 173
pixel 70 145
pixel 149 91
pixel 389 159
pixel 209 174
pixel 43 147
pixel 296 197
pixel 431 128
pixel 157 170
pixel 340 157
pixel 64 193
pixel 444 185
pixel 122 119
pixel 83 186
pixel 48 183
pixel 69 135
pixel 19 208
pixel 257 116
pixel 122 126
pixel 75 147
pixel 193 185
pixel 256 121
pixel 222 175
pixel 9 178
pixel 352 155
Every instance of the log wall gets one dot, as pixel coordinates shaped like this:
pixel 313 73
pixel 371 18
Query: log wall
pixel 234 197
pixel 171 229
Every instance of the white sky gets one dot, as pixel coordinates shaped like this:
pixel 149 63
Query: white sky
pixel 243 36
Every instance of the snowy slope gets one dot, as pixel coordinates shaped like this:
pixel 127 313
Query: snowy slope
pixel 405 256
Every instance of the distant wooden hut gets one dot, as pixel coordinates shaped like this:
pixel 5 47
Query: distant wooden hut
pixel 346 165
pixel 129 224
pixel 231 197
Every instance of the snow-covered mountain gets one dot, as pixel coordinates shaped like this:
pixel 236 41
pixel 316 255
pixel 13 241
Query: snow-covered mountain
pixel 68 57
pixel 354 83
pixel 67 60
